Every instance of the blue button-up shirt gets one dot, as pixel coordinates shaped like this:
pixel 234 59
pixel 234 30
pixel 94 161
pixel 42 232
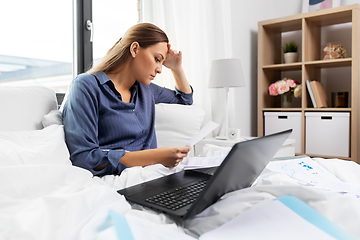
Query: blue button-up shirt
pixel 100 127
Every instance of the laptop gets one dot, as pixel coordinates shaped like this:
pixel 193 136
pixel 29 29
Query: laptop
pixel 186 193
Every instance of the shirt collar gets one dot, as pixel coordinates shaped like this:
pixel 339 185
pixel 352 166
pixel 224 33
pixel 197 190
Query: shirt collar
pixel 102 77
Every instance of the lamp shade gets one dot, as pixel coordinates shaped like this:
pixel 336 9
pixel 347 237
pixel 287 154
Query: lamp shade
pixel 226 73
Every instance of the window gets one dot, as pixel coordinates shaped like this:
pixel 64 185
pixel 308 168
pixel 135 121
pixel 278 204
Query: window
pixel 36 43
pixel 111 20
pixel 99 24
pixel 37 38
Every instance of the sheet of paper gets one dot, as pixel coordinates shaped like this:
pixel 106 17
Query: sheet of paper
pixel 202 162
pixel 310 173
pixel 267 220
pixel 339 187
pixel 207 129
pixel 304 169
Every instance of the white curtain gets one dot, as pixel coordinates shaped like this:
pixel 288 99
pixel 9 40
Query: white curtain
pixel 202 30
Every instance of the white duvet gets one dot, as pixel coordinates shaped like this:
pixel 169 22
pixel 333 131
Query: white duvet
pixel 50 199
pixel 65 202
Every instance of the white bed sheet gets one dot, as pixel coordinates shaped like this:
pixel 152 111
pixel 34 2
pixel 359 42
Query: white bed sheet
pixel 66 202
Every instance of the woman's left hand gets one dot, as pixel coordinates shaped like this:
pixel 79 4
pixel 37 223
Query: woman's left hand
pixel 173 59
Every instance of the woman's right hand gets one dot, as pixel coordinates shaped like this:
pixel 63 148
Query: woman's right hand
pixel 167 156
pixel 172 156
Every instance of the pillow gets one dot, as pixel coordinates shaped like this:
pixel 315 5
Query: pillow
pixel 37 147
pixel 53 117
pixel 22 108
pixel 176 124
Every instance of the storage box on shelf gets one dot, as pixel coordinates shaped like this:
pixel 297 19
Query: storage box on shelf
pixel 327 133
pixel 279 121
pixel 312 28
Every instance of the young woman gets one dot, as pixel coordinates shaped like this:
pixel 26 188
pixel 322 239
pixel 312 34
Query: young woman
pixel 110 110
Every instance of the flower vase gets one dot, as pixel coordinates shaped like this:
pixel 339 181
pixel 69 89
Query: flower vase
pixel 286 100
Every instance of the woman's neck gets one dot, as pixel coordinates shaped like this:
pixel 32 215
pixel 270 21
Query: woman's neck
pixel 122 78
pixel 123 81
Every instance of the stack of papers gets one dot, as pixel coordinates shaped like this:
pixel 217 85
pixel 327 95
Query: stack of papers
pixel 202 162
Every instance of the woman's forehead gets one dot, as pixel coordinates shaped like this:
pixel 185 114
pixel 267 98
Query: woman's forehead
pixel 161 47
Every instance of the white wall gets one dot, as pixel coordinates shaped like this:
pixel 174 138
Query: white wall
pixel 215 29
pixel 245 17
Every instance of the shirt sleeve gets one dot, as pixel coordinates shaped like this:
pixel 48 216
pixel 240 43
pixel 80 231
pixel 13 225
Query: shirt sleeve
pixel 81 130
pixel 165 95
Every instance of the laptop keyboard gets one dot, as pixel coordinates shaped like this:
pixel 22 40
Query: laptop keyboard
pixel 178 197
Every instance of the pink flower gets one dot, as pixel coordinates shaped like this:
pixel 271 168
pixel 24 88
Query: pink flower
pixel 291 83
pixel 282 87
pixel 273 90
pixel 285 85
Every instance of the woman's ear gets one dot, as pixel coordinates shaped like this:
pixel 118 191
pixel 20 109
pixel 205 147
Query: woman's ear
pixel 134 48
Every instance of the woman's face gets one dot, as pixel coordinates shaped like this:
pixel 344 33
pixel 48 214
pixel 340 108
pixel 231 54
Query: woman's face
pixel 149 61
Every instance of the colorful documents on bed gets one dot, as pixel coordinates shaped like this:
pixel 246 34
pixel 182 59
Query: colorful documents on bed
pixel 285 217
pixel 310 173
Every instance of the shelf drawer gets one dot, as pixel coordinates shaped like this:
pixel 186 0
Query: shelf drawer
pixel 279 121
pixel 327 133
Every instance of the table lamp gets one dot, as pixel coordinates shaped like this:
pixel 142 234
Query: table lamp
pixel 226 73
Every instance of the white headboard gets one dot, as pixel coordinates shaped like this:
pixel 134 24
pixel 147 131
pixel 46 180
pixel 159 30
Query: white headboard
pixel 22 108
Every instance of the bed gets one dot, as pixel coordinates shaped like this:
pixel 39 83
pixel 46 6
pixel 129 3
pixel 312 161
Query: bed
pixel 42 196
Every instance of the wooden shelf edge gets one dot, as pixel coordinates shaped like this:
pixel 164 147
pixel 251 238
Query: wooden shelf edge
pixel 282 109
pixel 310 109
pixel 284 66
pixel 308 15
pixel 341 62
pixel 328 109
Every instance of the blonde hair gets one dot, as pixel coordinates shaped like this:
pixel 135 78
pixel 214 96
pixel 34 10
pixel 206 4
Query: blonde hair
pixel 146 34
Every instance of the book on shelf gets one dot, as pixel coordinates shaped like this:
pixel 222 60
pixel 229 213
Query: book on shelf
pixel 310 93
pixel 319 94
